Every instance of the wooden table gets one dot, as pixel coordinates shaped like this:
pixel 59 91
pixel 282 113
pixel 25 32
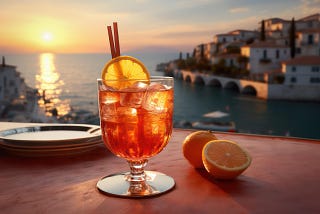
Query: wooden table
pixel 283 178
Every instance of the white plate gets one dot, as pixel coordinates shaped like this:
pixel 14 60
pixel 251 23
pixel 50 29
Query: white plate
pixel 50 137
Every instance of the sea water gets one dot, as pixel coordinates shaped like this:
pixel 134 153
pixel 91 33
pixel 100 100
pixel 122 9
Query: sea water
pixel 75 78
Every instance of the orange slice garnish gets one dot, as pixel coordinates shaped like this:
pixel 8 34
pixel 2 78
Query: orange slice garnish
pixel 123 71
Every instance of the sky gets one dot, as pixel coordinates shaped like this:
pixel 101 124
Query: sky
pixel 80 26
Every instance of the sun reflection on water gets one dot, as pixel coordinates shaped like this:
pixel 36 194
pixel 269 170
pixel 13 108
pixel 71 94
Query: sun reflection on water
pixel 49 85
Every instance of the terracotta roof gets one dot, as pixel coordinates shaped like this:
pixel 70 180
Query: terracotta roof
pixel 225 34
pixel 241 30
pixel 265 44
pixel 315 16
pixel 303 60
pixel 275 20
pixel 311 30
pixel 227 55
pixel 274 71
pixel 7 66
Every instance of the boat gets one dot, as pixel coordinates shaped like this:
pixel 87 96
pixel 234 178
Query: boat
pixel 215 126
pixel 214 123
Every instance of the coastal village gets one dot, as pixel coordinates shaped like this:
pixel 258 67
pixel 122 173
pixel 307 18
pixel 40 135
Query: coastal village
pixel 281 60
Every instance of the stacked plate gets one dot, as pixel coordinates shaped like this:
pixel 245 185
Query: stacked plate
pixel 50 140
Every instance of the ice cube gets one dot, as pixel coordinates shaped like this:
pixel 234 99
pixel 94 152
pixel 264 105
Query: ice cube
pixel 133 95
pixel 108 112
pixel 108 97
pixel 156 98
pixel 127 115
pixel 154 123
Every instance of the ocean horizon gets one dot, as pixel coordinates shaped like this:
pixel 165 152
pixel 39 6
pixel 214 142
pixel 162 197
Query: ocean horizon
pixel 71 79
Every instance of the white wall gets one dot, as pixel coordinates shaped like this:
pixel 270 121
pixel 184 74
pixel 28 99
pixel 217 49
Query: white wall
pixel 302 74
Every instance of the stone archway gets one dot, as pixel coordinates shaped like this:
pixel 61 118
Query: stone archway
pixel 188 79
pixel 215 83
pixel 249 90
pixel 232 86
pixel 199 80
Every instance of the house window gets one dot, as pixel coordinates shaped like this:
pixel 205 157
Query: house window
pixel 315 69
pixel 293 80
pixel 265 55
pixel 11 83
pixel 293 68
pixel 5 82
pixel 310 39
pixel 314 79
pixel 298 50
pixel 277 54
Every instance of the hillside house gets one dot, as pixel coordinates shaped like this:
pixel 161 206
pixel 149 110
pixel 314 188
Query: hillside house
pixel 265 56
pixel 302 70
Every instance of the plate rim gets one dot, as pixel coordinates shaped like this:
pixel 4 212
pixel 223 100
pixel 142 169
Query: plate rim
pixel 91 129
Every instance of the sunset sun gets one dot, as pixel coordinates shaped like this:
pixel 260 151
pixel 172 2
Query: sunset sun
pixel 47 37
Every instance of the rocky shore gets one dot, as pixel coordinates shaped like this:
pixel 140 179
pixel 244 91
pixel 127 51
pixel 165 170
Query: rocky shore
pixel 27 109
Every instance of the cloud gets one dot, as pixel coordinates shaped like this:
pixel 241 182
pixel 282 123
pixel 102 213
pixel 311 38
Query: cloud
pixel 310 6
pixel 239 10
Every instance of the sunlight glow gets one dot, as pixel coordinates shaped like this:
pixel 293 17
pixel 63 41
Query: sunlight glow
pixel 49 86
pixel 47 36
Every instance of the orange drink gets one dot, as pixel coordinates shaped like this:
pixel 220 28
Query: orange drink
pixel 136 121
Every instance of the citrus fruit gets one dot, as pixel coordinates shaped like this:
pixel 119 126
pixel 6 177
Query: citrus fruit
pixel 225 159
pixel 124 71
pixel 193 145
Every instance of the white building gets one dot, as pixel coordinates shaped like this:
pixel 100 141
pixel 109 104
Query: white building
pixel 209 50
pixel 12 85
pixel 236 35
pixel 308 42
pixel 278 29
pixel 265 56
pixel 303 70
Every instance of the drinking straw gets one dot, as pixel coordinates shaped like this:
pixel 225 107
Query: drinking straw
pixel 113 54
pixel 114 42
pixel 116 38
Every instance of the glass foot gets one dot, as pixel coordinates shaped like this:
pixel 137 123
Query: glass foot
pixel 118 185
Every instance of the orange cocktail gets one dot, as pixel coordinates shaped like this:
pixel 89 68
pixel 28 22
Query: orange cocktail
pixel 136 122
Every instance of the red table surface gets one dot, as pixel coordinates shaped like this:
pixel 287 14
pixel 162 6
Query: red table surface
pixel 283 178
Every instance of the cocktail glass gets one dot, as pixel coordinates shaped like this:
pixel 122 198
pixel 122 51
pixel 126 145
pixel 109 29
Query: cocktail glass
pixel 136 124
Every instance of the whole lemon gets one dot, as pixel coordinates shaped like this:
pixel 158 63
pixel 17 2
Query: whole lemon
pixel 193 144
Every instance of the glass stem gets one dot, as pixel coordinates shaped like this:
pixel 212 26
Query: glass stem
pixel 137 178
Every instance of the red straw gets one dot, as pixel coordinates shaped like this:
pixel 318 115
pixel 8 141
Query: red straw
pixel 114 44
pixel 113 53
pixel 116 38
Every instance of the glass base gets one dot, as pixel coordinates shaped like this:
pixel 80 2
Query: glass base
pixel 118 185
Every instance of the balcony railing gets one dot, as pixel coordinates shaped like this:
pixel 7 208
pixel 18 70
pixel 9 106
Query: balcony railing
pixel 265 60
